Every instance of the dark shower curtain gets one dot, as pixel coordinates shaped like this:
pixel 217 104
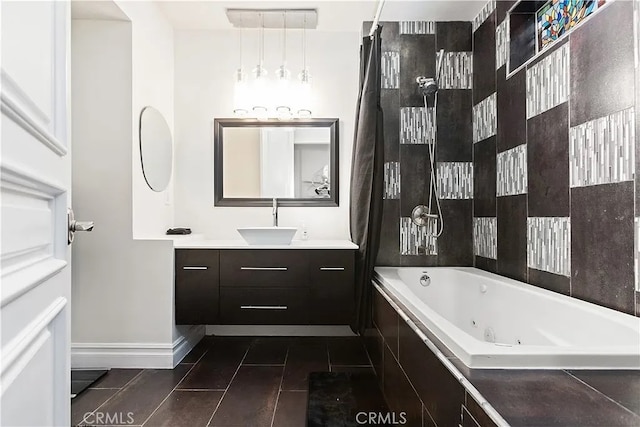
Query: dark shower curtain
pixel 367 179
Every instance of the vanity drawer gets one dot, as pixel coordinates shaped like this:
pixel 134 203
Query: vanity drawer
pixel 263 306
pixel 196 286
pixel 263 267
pixel 331 266
pixel 331 274
pixel 196 259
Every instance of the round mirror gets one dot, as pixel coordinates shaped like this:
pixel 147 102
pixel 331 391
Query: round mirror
pixel 156 149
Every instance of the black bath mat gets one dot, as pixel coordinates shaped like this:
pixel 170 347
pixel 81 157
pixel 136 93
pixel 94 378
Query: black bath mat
pixel 341 399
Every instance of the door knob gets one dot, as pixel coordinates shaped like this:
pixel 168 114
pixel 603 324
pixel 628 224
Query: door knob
pixel 74 225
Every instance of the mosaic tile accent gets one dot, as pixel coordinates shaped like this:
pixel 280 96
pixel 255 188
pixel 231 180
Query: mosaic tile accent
pixel 457 70
pixel 511 171
pixel 548 82
pixel 417 126
pixel 502 43
pixel 484 118
pixel 455 180
pixel 601 151
pixel 416 240
pixel 390 65
pixel 485 237
pixel 549 244
pixel 483 14
pixel 391 180
pixel 417 27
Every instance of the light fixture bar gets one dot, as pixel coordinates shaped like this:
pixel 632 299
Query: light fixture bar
pixel 273 18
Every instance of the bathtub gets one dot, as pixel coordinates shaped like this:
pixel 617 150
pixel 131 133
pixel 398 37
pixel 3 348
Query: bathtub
pixel 489 321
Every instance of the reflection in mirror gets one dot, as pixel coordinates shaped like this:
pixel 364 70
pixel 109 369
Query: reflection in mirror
pixel 257 161
pixel 282 162
pixel 156 152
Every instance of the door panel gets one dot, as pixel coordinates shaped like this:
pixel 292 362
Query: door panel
pixel 30 365
pixel 35 173
pixel 26 23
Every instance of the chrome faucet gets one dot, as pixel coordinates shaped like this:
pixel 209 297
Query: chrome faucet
pixel 274 212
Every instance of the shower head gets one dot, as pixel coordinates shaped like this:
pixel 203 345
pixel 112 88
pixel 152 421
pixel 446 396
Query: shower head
pixel 427 85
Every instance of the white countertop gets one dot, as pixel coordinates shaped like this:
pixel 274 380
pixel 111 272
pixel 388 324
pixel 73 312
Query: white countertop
pixel 241 244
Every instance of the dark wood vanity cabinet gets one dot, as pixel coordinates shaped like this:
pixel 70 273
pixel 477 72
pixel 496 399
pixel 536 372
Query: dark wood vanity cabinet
pixel 282 287
pixel 197 286
pixel 331 293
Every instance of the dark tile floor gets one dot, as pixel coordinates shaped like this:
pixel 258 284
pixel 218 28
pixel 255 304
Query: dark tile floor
pixel 224 381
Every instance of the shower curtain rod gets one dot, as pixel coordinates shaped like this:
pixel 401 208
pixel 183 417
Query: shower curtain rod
pixel 376 19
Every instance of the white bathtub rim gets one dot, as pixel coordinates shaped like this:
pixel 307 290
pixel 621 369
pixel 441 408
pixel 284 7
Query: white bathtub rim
pixel 477 354
pixel 614 315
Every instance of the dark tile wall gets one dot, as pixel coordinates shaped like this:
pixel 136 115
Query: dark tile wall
pixel 409 50
pixel 554 158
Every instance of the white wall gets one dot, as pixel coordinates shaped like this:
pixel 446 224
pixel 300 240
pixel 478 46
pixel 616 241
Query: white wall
pixel 122 305
pixel 153 77
pixel 205 64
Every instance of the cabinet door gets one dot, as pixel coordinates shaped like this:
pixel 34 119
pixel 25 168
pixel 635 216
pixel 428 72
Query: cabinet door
pixel 197 286
pixel 332 295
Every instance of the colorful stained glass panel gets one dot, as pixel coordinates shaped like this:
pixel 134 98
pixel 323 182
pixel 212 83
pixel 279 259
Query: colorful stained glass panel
pixel 557 17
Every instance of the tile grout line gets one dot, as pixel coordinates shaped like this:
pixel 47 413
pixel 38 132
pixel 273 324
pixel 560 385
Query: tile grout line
pixel 176 386
pixel 275 408
pixel 230 382
pixel 105 388
pixel 113 395
pixel 601 393
pixel 355 366
pixel 263 364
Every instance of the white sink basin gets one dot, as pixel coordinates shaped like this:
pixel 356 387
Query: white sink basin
pixel 268 235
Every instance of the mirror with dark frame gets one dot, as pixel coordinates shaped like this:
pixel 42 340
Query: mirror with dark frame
pixel 293 161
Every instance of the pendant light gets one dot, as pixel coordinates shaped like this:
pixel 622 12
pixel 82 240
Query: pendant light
pixel 241 86
pixel 260 88
pixel 304 86
pixel 283 77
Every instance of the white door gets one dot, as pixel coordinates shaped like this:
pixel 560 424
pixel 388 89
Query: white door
pixel 276 163
pixel 35 175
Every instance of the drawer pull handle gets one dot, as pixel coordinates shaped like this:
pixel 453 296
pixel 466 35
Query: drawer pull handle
pixel 194 268
pixel 331 268
pixel 263 307
pixel 264 268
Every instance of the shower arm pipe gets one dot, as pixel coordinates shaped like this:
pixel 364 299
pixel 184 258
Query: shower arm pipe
pixel 376 19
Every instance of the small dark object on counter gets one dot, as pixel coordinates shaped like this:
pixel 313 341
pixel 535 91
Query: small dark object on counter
pixel 179 231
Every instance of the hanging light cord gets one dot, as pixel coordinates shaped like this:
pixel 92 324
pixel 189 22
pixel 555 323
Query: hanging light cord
pixel 284 41
pixel 241 37
pixel 304 43
pixel 262 40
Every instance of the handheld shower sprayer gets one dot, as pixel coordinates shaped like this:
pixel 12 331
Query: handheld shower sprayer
pixel 422 215
pixel 428 86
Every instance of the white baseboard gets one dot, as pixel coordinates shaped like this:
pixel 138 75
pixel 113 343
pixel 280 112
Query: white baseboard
pixel 135 355
pixel 183 345
pixel 280 330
